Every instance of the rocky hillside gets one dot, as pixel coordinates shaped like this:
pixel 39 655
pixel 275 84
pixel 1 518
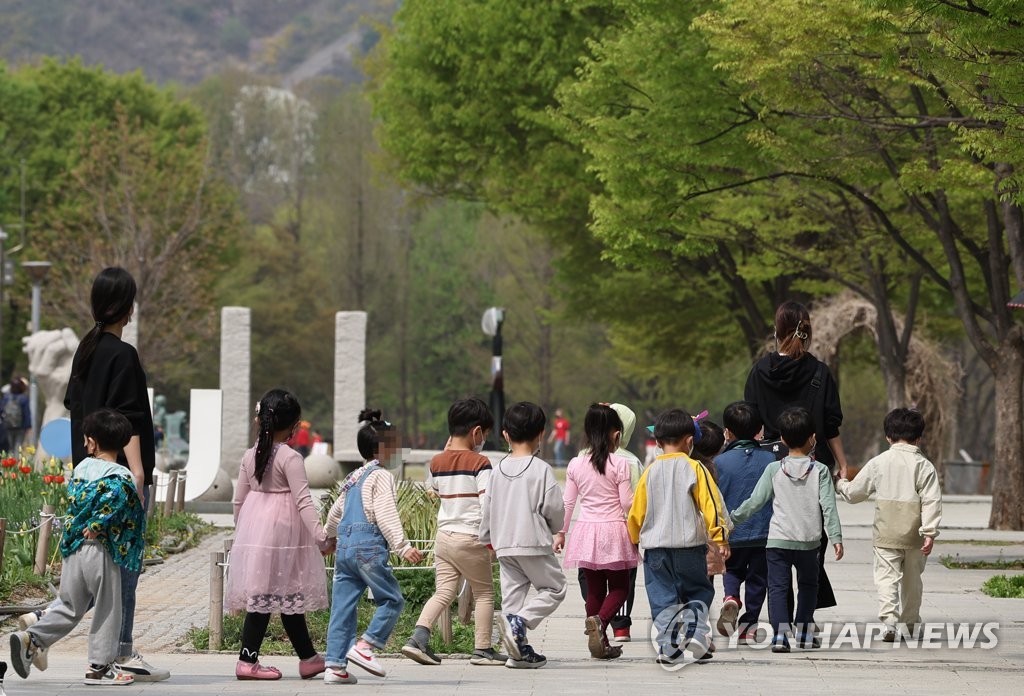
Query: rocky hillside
pixel 187 40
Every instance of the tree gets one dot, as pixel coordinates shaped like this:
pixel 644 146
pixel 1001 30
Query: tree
pixel 932 89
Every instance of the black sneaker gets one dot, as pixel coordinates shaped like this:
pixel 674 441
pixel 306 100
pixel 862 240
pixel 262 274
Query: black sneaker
pixel 418 651
pixel 780 646
pixel 488 658
pixel 808 642
pixel 673 659
pixel 531 659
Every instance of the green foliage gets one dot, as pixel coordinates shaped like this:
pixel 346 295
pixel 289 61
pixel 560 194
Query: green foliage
pixel 1003 586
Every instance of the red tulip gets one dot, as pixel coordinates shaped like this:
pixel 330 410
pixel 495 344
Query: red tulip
pixel 58 479
pixel 26 469
pixel 47 479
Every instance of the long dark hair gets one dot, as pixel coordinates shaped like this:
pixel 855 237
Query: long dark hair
pixel 598 425
pixel 374 429
pixel 112 298
pixel 278 410
pixel 793 329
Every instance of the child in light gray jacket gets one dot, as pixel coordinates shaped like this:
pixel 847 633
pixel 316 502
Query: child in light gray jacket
pixel 520 512
pixel 801 492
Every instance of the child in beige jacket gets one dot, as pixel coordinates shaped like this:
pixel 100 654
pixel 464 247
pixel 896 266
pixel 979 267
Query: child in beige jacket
pixel 908 507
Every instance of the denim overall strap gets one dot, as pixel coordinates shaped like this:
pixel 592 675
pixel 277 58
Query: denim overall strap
pixel 354 512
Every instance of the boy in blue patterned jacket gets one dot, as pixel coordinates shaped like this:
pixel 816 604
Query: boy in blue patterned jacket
pixel 104 531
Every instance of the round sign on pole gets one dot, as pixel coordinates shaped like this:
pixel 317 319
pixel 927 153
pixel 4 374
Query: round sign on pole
pixel 55 437
pixel 491 320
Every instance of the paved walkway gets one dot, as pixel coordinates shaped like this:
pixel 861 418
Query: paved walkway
pixel 174 596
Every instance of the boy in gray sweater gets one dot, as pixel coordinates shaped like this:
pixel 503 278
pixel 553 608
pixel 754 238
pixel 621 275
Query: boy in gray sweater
pixel 520 512
pixel 801 490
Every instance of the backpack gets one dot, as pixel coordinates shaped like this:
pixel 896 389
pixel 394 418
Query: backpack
pixel 12 413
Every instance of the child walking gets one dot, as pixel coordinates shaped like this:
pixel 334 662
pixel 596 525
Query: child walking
pixel 520 512
pixel 365 521
pixel 676 512
pixel 103 535
pixel 599 543
pixel 739 467
pixel 459 476
pixel 802 493
pixel 908 508
pixel 276 564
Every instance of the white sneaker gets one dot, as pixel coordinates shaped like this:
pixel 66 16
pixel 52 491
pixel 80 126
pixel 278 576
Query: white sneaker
pixel 23 650
pixel 140 669
pixel 338 675
pixel 366 660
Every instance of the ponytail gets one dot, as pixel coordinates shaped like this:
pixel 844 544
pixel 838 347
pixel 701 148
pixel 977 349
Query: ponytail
pixel 599 425
pixel 374 429
pixel 278 410
pixel 112 299
pixel 792 329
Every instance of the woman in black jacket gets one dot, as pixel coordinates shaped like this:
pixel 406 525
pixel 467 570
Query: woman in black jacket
pixel 791 376
pixel 106 373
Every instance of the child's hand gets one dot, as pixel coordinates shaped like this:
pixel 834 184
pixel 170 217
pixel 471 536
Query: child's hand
pixel 329 546
pixel 839 551
pixel 724 550
pixel 412 555
pixel 559 542
pixel 926 547
pixel 89 534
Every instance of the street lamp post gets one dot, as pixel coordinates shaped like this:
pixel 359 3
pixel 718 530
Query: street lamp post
pixel 491 324
pixel 36 271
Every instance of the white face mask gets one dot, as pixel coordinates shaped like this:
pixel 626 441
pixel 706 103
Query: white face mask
pixel 478 448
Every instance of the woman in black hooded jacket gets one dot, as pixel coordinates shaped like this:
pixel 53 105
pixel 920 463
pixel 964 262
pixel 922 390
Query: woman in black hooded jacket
pixel 791 376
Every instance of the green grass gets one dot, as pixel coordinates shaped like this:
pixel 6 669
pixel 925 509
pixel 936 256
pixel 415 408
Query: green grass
pixel 417 587
pixel 1003 586
pixel 954 563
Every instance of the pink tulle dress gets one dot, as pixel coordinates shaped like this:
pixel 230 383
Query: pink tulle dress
pixel 598 539
pixel 275 563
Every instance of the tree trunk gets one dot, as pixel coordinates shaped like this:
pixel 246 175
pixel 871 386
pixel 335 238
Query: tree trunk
pixel 1008 468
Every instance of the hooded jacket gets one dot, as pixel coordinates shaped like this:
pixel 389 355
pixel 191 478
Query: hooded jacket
pixel 777 382
pixel 740 467
pixel 798 487
pixel 628 419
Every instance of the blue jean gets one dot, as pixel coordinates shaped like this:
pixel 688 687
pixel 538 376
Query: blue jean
pixel 129 585
pixel 679 590
pixel 747 565
pixel 781 563
pixel 361 563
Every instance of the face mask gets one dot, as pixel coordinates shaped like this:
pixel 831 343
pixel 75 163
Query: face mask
pixel 478 448
pixel 393 461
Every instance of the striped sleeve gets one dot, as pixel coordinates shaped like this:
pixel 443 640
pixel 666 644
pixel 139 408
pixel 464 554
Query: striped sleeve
pixel 382 509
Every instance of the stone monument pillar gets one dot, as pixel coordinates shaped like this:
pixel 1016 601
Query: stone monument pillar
pixel 349 382
pixel 237 409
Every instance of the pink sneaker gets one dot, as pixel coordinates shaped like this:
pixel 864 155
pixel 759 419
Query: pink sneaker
pixel 251 671
pixel 312 666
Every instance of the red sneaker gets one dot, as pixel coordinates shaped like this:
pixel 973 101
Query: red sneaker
pixel 727 617
pixel 621 634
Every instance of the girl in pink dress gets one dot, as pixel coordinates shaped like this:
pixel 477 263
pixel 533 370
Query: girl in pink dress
pixel 276 559
pixel 599 542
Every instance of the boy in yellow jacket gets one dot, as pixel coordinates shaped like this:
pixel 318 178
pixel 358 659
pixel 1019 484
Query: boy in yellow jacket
pixel 676 511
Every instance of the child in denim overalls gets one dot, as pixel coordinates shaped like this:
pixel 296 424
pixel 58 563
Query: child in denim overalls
pixel 365 520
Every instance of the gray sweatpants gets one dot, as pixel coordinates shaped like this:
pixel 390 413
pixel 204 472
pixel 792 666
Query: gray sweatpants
pixel 89 578
pixel 518 574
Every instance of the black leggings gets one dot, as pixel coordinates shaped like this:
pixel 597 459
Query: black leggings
pixel 254 630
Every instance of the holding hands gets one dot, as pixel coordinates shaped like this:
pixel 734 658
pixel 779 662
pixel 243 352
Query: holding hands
pixel 412 555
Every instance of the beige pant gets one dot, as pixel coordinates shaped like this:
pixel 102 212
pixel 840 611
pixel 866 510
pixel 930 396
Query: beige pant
pixel 462 555
pixel 898 580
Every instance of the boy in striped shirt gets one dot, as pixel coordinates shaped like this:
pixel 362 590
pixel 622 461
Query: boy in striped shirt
pixel 459 476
